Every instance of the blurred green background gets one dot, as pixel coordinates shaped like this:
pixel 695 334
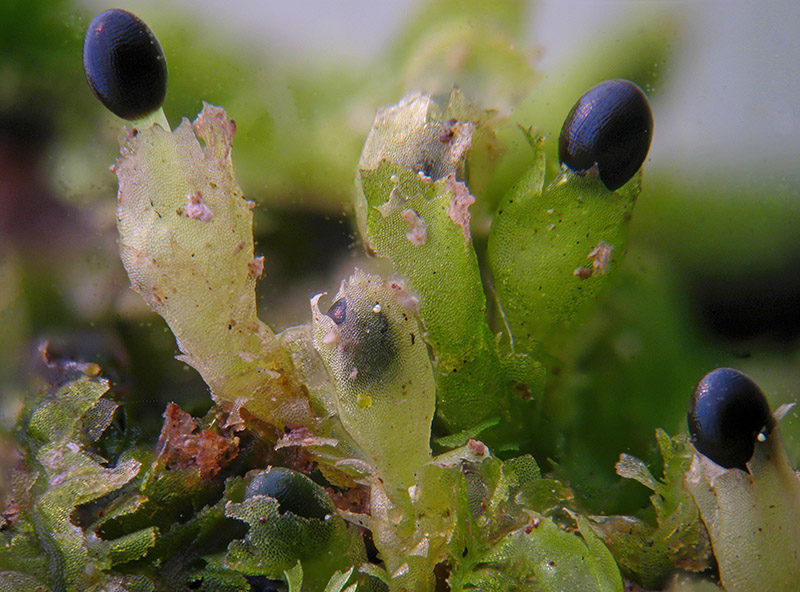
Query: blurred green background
pixel 713 266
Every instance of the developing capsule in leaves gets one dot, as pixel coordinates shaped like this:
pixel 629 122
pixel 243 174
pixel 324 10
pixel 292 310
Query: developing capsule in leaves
pixel 124 64
pixel 295 492
pixel 368 345
pixel 338 311
pixel 610 126
pixel 727 416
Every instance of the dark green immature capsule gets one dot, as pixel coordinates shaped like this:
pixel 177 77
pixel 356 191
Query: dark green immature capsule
pixel 367 345
pixel 729 413
pixel 295 492
pixel 124 64
pixel 610 127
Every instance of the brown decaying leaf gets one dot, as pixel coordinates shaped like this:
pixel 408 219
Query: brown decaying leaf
pixel 180 445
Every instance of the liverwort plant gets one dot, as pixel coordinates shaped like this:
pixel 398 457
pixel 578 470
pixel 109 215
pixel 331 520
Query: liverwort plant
pixel 747 493
pixel 176 218
pixel 413 209
pixel 553 249
pixel 732 472
pixel 389 443
pixel 375 354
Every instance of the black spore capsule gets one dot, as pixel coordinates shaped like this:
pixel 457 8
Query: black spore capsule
pixel 124 64
pixel 611 126
pixel 728 414
pixel 295 492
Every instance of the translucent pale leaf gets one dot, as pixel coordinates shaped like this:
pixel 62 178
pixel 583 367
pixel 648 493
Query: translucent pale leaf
pixel 753 518
pixel 187 244
pixel 385 394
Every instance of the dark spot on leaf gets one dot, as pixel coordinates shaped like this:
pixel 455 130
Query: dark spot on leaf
pixel 338 311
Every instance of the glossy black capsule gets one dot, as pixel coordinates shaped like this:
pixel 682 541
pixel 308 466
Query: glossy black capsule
pixel 611 126
pixel 728 414
pixel 124 64
pixel 295 492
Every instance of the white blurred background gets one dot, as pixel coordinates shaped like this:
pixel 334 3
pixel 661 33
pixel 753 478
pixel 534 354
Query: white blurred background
pixel 733 93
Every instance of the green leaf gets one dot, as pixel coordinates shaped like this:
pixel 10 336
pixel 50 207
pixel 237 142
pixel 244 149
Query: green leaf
pixel 338 581
pixel 464 436
pixel 545 558
pixel 378 362
pixel 650 554
pixel 20 549
pixel 221 580
pixel 130 547
pixel 66 475
pixel 14 581
pixel 414 207
pixel 414 211
pixel 73 479
pixel 376 572
pixel 62 412
pixel 277 541
pixel 529 489
pixel 294 578
pixel 553 250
